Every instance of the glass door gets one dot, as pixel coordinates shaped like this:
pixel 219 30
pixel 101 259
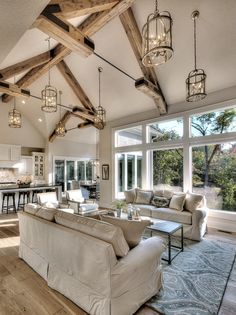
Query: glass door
pixel 59 169
pixel 70 173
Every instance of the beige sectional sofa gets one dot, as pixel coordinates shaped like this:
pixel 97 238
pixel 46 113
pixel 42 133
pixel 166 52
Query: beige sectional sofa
pixel 188 209
pixel 89 261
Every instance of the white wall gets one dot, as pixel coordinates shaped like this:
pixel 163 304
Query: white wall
pixel 26 136
pixel 65 148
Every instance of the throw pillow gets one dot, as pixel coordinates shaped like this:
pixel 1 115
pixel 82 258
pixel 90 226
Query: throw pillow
pixel 160 202
pixel 130 195
pixel 193 201
pixel 132 230
pixel 177 202
pixel 31 208
pixel 46 213
pixel 143 196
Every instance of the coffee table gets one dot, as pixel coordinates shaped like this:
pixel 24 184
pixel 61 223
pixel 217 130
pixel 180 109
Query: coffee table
pixel 169 228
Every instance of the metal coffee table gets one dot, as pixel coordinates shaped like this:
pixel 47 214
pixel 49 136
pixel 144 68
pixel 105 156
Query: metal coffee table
pixel 169 228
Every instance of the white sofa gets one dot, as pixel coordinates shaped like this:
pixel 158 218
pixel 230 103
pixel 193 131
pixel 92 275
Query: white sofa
pixel 81 262
pixel 192 213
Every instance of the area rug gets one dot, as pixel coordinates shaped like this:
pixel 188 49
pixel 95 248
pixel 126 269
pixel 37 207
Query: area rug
pixel 195 282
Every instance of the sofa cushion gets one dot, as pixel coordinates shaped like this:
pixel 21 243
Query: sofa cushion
pixel 46 213
pixel 130 195
pixel 193 201
pixel 177 202
pixel 184 217
pixel 31 208
pixel 99 229
pixel 160 202
pixel 132 229
pixel 143 196
pixel 163 193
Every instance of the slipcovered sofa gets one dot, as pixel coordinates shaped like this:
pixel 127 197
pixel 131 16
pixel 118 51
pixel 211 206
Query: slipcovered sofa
pixel 89 261
pixel 188 209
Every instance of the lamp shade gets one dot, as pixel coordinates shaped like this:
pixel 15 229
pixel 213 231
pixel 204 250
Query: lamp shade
pixel 157 39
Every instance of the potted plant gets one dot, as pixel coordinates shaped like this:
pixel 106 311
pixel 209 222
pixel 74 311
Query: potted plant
pixel 118 205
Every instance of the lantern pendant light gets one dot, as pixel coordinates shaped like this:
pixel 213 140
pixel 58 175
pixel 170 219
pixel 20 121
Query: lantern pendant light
pixel 100 116
pixel 157 38
pixel 196 81
pixel 49 94
pixel 14 117
pixel 60 128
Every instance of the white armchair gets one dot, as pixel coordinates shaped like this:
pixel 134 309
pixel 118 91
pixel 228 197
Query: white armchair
pixel 77 202
pixel 49 199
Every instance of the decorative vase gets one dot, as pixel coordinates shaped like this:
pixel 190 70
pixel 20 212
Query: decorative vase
pixel 118 213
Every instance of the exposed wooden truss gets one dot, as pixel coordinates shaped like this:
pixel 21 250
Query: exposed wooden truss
pixel 149 89
pixel 13 89
pixel 131 28
pixel 70 9
pixel 89 27
pixel 74 84
pixel 25 65
pixel 86 115
pixel 64 32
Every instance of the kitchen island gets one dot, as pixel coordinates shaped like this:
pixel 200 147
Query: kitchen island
pixel 16 189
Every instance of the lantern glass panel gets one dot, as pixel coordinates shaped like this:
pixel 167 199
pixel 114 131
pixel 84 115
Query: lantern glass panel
pixel 49 99
pixel 14 119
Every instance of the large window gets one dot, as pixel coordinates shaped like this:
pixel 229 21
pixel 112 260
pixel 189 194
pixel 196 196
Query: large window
pixel 217 122
pixel 214 174
pixel 167 169
pixel 129 136
pixel 129 171
pixel 194 151
pixel 165 130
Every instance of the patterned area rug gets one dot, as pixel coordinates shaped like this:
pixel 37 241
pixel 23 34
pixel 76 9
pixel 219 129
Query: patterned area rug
pixel 195 282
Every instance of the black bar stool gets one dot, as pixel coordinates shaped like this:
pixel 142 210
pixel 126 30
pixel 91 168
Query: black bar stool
pixel 8 207
pixel 34 195
pixel 24 197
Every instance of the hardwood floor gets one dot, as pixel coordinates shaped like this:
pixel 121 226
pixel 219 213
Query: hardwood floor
pixel 23 291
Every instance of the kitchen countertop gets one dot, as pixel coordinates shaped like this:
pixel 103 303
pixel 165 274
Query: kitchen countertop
pixel 17 188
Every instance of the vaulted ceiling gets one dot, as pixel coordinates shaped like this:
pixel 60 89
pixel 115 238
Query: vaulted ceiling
pixel 216 55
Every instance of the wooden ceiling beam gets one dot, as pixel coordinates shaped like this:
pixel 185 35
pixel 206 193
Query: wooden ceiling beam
pixel 149 89
pixel 74 84
pixel 13 90
pixel 25 65
pixel 131 28
pixel 65 33
pixel 89 27
pixel 70 9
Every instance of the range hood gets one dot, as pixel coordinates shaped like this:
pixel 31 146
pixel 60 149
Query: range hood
pixel 9 164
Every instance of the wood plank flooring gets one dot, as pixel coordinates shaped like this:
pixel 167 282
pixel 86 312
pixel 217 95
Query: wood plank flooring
pixel 23 291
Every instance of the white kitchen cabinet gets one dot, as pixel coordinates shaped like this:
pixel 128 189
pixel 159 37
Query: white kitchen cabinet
pixel 38 165
pixel 15 152
pixel 10 152
pixel 5 152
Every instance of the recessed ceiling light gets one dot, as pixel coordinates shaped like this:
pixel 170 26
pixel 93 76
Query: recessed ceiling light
pixel 23 102
pixel 40 120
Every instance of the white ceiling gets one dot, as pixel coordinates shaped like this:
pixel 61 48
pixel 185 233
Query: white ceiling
pixel 216 55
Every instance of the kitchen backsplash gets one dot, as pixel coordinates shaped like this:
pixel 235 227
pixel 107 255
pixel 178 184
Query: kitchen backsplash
pixel 8 175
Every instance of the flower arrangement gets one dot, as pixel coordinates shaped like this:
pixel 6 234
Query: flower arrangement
pixel 118 203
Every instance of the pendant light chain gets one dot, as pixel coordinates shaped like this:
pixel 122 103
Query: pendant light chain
pixel 195 44
pixel 99 85
pixel 49 67
pixel 156 6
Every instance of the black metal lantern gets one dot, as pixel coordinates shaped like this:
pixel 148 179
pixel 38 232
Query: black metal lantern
pixel 100 115
pixel 49 93
pixel 14 117
pixel 196 81
pixel 157 38
pixel 60 128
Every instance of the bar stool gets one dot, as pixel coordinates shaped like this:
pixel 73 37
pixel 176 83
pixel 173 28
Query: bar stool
pixel 34 195
pixel 25 196
pixel 8 207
